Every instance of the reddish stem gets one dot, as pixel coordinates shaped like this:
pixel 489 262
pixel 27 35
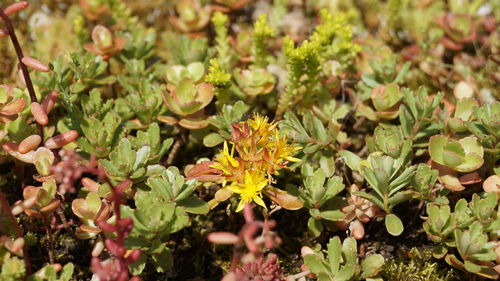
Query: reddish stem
pixel 20 56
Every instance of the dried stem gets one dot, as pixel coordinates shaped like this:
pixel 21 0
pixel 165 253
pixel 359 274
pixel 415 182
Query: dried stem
pixel 176 148
pixel 24 68
pixel 17 230
pixel 50 238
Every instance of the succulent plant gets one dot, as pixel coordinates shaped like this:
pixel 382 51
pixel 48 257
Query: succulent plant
pixel 100 136
pixel 125 162
pixel 90 210
pixel 242 44
pixel 188 100
pixel 464 155
pixel 152 139
pixel 387 139
pixel 341 261
pixel 439 225
pixel 459 29
pixel 192 16
pixel 255 81
pixel 94 9
pixel 474 247
pixel 487 121
pixel 451 156
pixel 387 177
pixel 385 72
pixel 223 121
pixel 385 100
pixel 10 106
pixel 194 71
pixel 463 113
pixel 468 229
pixel 104 43
pixel 319 195
pixel 43 158
pixel 49 273
pixel 144 98
pixel 319 141
pixel 46 202
pixel 424 182
pixel 357 212
pixel 492 184
pixel 260 269
pixel 161 211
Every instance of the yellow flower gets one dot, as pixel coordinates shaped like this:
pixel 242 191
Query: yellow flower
pixel 282 150
pixel 250 190
pixel 225 160
pixel 261 123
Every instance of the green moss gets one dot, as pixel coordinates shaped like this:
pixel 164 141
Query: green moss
pixel 419 266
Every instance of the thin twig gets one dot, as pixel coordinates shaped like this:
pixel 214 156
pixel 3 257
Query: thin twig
pixel 17 230
pixel 175 148
pixel 24 68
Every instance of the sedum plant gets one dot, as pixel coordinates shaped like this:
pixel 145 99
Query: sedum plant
pixel 187 100
pixel 389 108
pixel 452 156
pixel 262 152
pixel 223 123
pixel 162 208
pixel 341 262
pixel 194 71
pixel 125 162
pixel 465 236
pixel 90 210
pixel 387 177
pixel 192 16
pixel 319 195
pixel 255 81
pixel 319 142
pixel 10 106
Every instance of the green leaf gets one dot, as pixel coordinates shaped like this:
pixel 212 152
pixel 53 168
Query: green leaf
pixel 376 200
pixel 163 261
pixel 315 226
pixel 393 225
pixel 334 254
pixel 352 160
pixel 212 140
pixel 316 264
pixel 332 215
pixel 194 205
pixel 371 266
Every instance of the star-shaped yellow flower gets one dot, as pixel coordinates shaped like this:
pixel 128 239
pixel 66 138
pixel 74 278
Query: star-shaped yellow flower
pixel 250 190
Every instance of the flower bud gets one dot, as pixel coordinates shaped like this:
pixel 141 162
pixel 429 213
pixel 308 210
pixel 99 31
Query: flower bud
pixel 29 144
pixel 35 64
pixel 3 33
pixel 15 7
pixel 61 139
pixel 39 114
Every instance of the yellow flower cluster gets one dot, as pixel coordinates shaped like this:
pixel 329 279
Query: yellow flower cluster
pixel 261 153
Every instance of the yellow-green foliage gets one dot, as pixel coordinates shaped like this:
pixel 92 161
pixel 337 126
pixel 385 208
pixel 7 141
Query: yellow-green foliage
pixel 261 32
